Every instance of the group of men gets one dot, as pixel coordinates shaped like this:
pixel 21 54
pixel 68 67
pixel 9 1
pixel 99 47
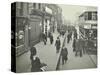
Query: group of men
pixel 79 45
pixel 44 37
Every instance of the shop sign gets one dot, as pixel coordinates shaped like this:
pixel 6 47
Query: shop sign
pixel 87 26
pixel 94 27
pixel 48 10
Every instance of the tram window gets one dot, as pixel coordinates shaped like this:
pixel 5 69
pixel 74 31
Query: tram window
pixel 89 15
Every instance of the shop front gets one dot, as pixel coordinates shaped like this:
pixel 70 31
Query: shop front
pixel 20 34
pixel 35 27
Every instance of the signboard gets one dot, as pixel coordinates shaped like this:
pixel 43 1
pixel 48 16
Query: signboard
pixel 48 10
pixel 87 26
pixel 94 27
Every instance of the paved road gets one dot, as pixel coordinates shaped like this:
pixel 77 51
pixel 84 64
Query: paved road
pixel 76 62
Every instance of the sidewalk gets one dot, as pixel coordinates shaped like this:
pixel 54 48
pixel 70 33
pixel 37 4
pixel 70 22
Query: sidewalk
pixel 46 53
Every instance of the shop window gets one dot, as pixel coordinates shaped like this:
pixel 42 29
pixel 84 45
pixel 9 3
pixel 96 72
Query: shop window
pixel 19 33
pixel 86 16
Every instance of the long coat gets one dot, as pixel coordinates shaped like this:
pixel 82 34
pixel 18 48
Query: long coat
pixel 64 53
pixel 57 44
pixel 36 65
pixel 74 42
pixel 79 44
pixel 51 38
pixel 75 34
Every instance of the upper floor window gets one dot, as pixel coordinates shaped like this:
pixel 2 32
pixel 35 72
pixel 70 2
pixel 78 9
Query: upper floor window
pixel 19 8
pixel 39 6
pixel 34 5
pixel 30 6
pixel 86 16
pixel 94 16
pixel 89 15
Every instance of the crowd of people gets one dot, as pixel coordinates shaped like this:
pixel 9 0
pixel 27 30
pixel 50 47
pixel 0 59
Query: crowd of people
pixel 79 48
pixel 35 61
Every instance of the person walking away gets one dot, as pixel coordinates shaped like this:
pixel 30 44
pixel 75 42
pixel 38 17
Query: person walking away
pixel 57 44
pixel 74 42
pixel 35 61
pixel 75 34
pixel 78 47
pixel 64 54
pixel 83 45
pixel 70 35
pixel 68 38
pixel 51 38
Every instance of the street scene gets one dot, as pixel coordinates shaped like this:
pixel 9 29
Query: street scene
pixel 53 37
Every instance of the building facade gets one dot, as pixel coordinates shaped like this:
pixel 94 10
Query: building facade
pixel 33 19
pixel 56 20
pixel 28 25
pixel 21 23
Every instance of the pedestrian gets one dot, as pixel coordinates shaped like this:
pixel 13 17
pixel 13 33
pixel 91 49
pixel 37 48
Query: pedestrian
pixel 75 34
pixel 74 42
pixel 44 39
pixel 57 44
pixel 70 35
pixel 68 38
pixel 83 43
pixel 35 61
pixel 78 47
pixel 64 54
pixel 51 38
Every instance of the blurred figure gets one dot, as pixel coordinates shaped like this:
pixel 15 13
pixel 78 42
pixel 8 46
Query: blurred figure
pixel 83 43
pixel 75 34
pixel 69 37
pixel 57 44
pixel 74 42
pixel 64 54
pixel 51 38
pixel 35 61
pixel 78 47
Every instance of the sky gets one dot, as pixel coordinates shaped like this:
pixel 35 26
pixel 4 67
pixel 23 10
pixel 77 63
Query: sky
pixel 71 12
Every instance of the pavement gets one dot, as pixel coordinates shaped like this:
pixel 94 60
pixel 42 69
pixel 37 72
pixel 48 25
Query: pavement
pixel 77 62
pixel 46 53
